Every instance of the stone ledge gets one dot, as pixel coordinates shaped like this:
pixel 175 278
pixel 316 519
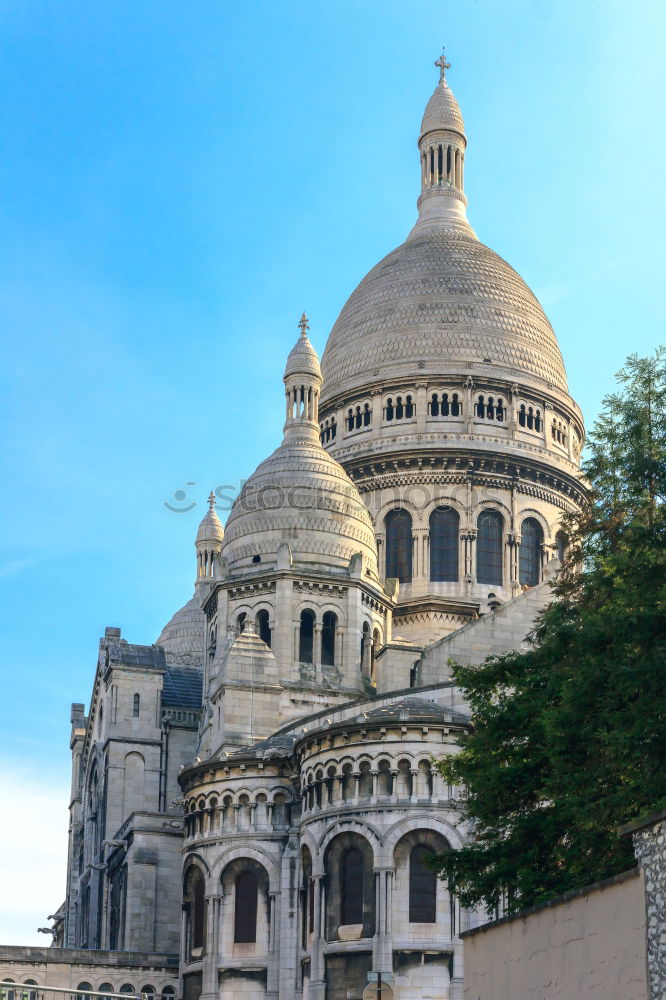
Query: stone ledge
pixel 84 956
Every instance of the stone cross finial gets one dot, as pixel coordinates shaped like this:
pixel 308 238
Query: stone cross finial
pixel 211 501
pixel 304 325
pixel 443 66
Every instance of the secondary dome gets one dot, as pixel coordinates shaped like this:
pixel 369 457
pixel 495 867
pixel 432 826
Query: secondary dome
pixel 442 299
pixel 183 638
pixel 300 495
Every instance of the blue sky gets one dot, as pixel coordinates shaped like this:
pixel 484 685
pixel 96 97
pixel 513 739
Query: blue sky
pixel 178 182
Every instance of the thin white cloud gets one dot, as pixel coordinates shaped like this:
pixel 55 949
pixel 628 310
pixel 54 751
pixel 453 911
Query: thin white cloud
pixel 33 851
pixel 16 566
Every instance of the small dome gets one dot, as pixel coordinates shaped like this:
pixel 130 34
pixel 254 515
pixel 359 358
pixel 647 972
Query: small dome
pixel 303 359
pixel 210 529
pixel 303 497
pixel 183 637
pixel 442 111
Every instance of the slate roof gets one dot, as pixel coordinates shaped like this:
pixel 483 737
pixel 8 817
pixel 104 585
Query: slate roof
pixel 182 688
pixel 137 656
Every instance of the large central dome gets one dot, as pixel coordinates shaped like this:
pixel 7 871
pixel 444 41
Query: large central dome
pixel 442 298
pixel 441 303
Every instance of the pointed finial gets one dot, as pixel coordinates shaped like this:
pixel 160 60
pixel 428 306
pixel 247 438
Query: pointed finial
pixel 443 66
pixel 304 325
pixel 211 501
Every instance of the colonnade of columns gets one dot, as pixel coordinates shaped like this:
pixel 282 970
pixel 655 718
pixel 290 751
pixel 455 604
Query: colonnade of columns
pixel 442 163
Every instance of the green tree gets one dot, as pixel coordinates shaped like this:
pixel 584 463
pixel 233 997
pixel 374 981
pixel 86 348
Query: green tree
pixel 569 737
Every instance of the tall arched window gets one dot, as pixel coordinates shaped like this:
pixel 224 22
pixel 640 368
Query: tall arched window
pixel 240 622
pixel 328 629
pixel 86 987
pixel 561 544
pixel 136 706
pixel 531 542
pixel 490 526
pixel 195 897
pixel 306 637
pixel 351 886
pixel 444 525
pixel 398 525
pixel 263 626
pixel 422 886
pixel 245 910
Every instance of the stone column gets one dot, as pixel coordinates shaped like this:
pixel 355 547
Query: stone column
pixel 317 965
pixel 421 403
pixel 209 990
pixel 273 971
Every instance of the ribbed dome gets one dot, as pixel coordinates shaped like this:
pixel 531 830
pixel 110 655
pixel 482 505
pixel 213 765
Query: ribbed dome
pixel 303 359
pixel 183 637
pixel 301 496
pixel 210 529
pixel 442 111
pixel 440 301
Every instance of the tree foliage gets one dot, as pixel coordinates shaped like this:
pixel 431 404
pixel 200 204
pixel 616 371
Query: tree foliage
pixel 569 737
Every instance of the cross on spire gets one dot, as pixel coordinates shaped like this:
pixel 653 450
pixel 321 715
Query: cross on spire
pixel 443 66
pixel 304 325
pixel 211 501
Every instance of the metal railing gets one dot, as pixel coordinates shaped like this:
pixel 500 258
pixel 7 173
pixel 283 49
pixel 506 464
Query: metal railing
pixel 33 991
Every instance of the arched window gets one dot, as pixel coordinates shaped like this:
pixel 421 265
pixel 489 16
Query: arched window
pixel 490 527
pixel 240 622
pixel 263 626
pixel 409 408
pixel 499 412
pixel 306 637
pixel 87 987
pixel 359 417
pixel 444 524
pixel 136 706
pixel 398 525
pixel 480 407
pixel 148 989
pixel 328 629
pixel 168 993
pixel 537 421
pixel 389 409
pixel 456 405
pixel 434 405
pixel 350 420
pixel 333 427
pixel 422 886
pixel 30 994
pixel 351 886
pixel 195 898
pixel 399 409
pixel 245 909
pixel 521 415
pixel 129 989
pixel 8 993
pixel 531 542
pixel 367 415
pixel 104 990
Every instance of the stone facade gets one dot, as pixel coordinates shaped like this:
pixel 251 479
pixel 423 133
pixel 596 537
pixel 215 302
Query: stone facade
pixel 649 839
pixel 256 793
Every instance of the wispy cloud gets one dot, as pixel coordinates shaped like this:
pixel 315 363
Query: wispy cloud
pixel 16 566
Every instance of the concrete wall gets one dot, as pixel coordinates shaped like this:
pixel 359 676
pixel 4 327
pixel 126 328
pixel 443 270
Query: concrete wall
pixel 589 944
pixel 495 633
